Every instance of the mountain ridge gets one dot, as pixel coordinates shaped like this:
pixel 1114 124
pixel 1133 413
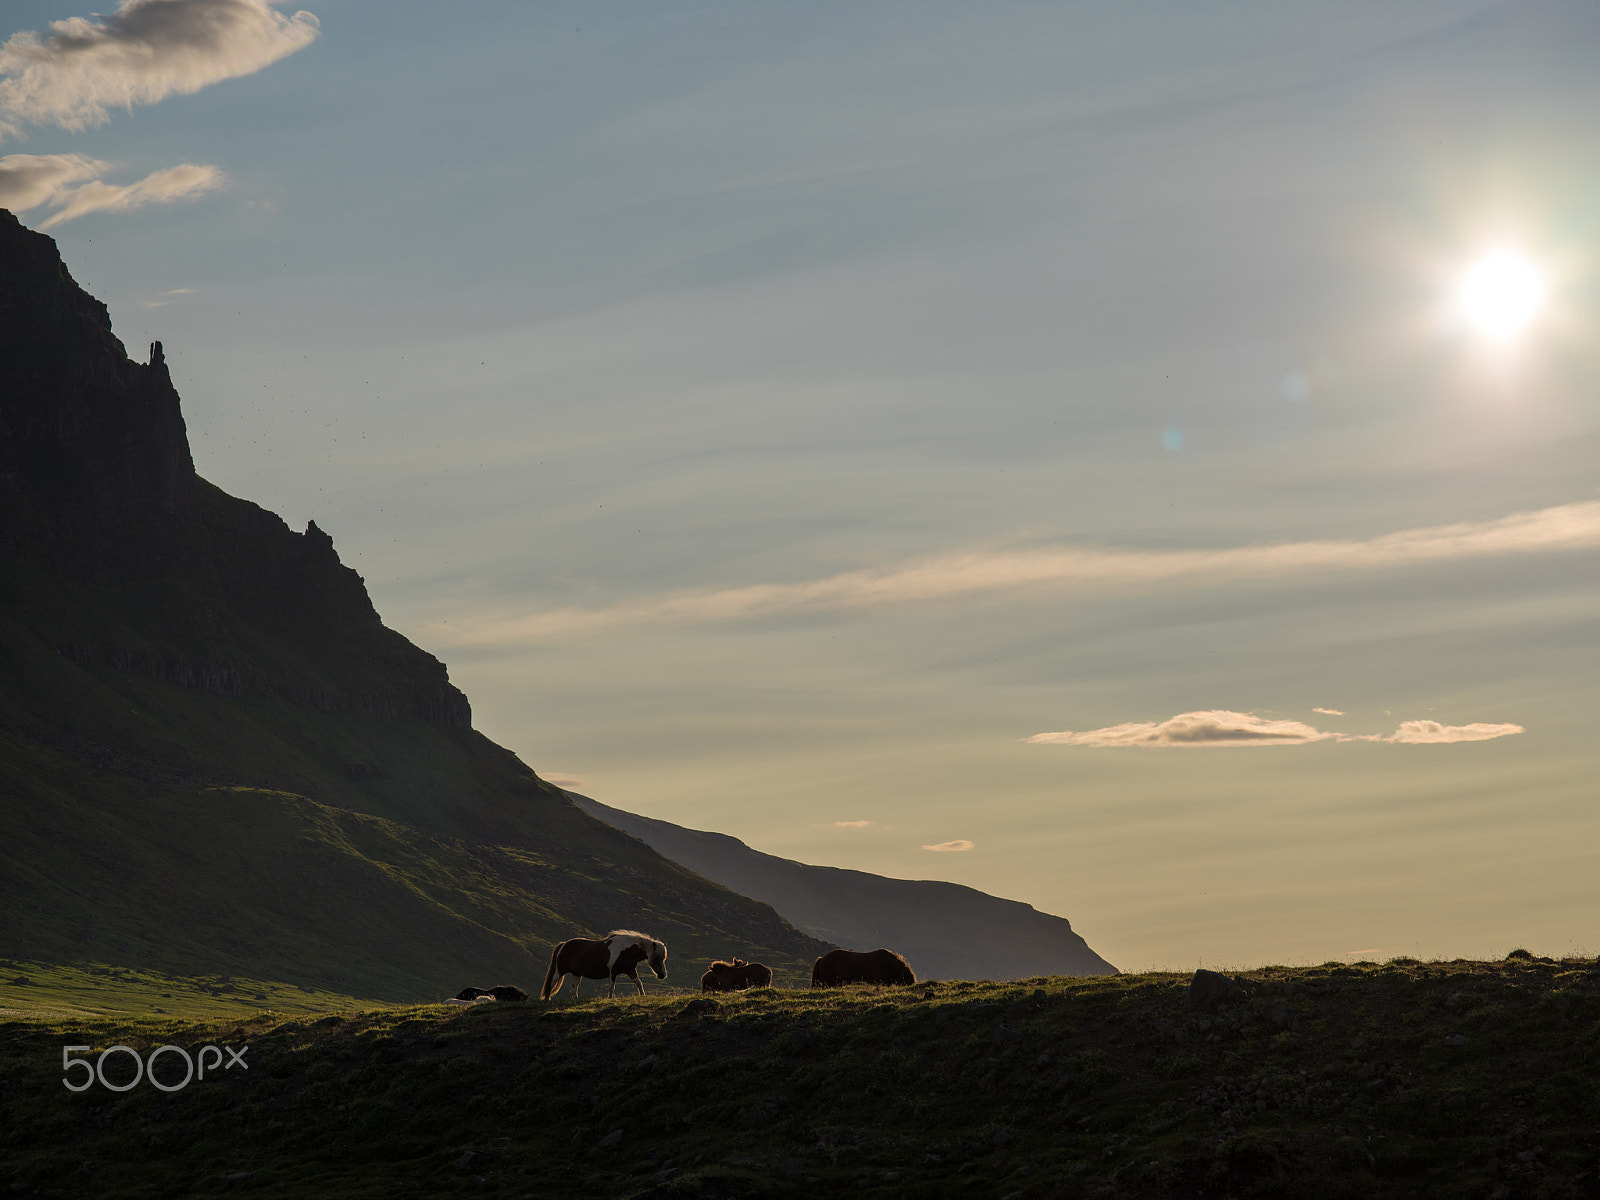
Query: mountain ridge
pixel 946 930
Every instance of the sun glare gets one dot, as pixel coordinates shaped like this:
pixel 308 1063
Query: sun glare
pixel 1500 295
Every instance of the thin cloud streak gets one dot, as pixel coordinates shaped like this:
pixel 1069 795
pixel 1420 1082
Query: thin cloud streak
pixel 144 52
pixel 948 576
pixel 186 181
pixel 58 180
pixel 1215 727
pixel 1222 727
pixel 1427 733
pixel 955 847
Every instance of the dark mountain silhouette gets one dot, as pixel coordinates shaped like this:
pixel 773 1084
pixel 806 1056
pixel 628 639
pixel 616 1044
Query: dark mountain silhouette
pixel 214 756
pixel 945 930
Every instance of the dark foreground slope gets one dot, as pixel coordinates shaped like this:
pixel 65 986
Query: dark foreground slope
pixel 214 757
pixel 945 930
pixel 1470 1080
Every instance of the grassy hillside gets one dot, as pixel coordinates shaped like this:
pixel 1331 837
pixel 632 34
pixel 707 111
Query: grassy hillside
pixel 113 849
pixel 1457 1079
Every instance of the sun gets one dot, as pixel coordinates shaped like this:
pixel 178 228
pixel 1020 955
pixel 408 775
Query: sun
pixel 1500 295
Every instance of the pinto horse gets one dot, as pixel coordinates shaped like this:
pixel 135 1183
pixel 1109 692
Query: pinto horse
pixel 882 967
pixel 618 953
pixel 735 976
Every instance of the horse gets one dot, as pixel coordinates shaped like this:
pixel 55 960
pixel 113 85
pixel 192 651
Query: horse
pixel 618 953
pixel 882 967
pixel 504 991
pixel 735 976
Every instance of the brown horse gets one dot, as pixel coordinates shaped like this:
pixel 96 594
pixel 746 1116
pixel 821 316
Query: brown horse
pixel 618 953
pixel 735 976
pixel 882 967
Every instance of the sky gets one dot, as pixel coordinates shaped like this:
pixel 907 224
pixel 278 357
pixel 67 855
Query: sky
pixel 1138 459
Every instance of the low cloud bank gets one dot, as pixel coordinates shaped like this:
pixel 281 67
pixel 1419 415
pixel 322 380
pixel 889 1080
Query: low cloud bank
pixel 144 52
pixel 70 184
pixel 947 576
pixel 1223 727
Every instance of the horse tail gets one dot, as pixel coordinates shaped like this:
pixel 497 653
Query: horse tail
pixel 553 979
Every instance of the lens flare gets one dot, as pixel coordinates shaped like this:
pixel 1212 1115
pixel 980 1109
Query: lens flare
pixel 1500 295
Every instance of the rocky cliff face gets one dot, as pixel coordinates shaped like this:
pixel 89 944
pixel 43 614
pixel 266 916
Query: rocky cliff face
pixel 92 446
pixel 98 491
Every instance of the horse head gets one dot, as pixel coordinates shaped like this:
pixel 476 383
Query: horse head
pixel 658 958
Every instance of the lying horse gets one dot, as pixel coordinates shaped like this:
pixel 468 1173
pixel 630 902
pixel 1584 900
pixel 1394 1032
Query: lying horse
pixel 618 953
pixel 504 991
pixel 735 976
pixel 882 967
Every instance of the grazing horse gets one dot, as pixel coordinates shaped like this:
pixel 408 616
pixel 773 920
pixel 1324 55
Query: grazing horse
pixel 735 976
pixel 504 991
pixel 618 953
pixel 882 967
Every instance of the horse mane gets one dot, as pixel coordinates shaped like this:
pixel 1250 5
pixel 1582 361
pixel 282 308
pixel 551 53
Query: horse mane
pixel 720 963
pixel 628 933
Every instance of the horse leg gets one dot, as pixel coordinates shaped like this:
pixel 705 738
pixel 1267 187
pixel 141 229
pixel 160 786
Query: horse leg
pixel 638 983
pixel 577 986
pixel 613 987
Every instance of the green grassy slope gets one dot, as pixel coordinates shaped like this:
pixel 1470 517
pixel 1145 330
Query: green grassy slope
pixel 138 831
pixel 1455 1079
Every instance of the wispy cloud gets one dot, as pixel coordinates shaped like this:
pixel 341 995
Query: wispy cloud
pixel 186 181
pixel 954 847
pixel 562 780
pixel 144 52
pixel 162 299
pixel 1329 712
pixel 1222 727
pixel 851 824
pixel 948 576
pixel 1421 733
pixel 1215 727
pixel 70 184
